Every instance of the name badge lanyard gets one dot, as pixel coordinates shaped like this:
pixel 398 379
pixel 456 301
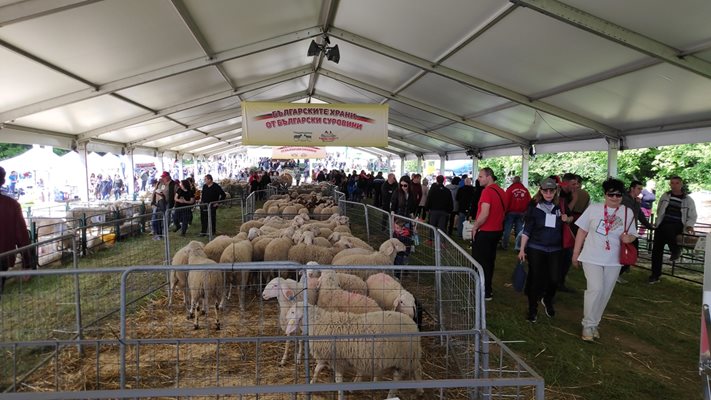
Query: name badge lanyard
pixel 609 220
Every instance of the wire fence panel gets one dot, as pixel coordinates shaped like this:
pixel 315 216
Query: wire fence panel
pixel 357 217
pixel 154 351
pixel 379 225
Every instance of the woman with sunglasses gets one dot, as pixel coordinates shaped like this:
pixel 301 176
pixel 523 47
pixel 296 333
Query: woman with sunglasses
pixel 541 243
pixel 602 227
pixel 403 201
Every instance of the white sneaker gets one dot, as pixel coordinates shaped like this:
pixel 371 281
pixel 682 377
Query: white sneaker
pixel 621 281
pixel 588 334
pixel 596 332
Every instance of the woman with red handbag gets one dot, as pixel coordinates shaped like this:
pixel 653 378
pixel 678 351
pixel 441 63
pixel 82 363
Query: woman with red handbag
pixel 602 230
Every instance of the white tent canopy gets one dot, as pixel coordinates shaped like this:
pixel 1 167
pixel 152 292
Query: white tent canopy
pixel 493 76
pixel 35 159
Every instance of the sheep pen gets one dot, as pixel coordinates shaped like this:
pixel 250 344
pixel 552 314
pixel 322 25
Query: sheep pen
pixel 163 351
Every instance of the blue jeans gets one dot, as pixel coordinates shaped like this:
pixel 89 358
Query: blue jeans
pixel 514 220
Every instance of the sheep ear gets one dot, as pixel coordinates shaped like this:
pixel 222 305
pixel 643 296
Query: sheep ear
pixel 389 250
pixel 396 304
pixel 287 292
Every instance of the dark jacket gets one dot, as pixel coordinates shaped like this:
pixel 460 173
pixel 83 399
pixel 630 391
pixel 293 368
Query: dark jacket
pixel 648 198
pixel 402 206
pixel 465 197
pixel 635 206
pixel 541 237
pixel 439 198
pixel 212 193
pixel 387 193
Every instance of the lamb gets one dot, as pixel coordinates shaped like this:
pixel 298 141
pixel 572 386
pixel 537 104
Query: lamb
pixel 399 354
pixel 332 297
pixel 179 279
pixel 309 238
pixel 284 290
pixel 216 246
pixel 390 295
pixel 208 285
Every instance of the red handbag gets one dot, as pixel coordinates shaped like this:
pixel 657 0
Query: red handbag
pixel 628 252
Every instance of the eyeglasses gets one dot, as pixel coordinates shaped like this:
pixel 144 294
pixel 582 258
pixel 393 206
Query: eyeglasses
pixel 613 194
pixel 547 190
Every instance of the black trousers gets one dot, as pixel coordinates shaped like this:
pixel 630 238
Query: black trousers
pixel 204 217
pixel 484 252
pixel 665 234
pixel 543 276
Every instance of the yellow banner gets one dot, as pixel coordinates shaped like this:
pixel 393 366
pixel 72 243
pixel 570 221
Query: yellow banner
pixel 282 124
pixel 297 152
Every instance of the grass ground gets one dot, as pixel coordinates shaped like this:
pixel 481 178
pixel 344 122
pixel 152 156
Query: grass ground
pixel 648 349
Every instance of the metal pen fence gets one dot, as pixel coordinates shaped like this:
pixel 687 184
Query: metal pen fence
pixel 151 350
pixel 689 266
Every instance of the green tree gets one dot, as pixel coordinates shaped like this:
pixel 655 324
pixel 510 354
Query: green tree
pixel 9 150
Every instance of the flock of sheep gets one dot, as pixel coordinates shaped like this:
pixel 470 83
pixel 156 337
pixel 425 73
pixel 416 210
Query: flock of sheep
pixel 323 302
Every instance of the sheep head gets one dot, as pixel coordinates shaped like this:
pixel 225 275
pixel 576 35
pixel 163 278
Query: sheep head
pixel 253 233
pixel 405 303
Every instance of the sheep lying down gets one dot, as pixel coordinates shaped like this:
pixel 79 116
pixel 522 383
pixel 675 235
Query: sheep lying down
pixel 366 356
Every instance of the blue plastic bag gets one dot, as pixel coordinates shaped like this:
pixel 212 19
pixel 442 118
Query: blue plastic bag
pixel 518 277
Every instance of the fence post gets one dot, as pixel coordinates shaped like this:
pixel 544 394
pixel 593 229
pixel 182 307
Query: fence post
pixel 83 234
pixel 122 333
pixel 166 235
pixel 367 223
pixel 209 221
pixel 77 295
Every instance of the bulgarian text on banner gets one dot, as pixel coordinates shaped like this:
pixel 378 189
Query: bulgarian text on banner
pixel 284 124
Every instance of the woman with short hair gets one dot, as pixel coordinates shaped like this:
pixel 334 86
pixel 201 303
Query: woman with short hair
pixel 597 246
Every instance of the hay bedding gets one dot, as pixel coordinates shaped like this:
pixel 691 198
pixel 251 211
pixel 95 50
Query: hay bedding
pixel 195 365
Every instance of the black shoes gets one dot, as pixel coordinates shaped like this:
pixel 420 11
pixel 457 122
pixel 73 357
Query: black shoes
pixel 532 316
pixel 548 308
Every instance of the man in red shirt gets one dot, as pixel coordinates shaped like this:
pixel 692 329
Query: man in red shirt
pixel 14 233
pixel 488 226
pixel 518 198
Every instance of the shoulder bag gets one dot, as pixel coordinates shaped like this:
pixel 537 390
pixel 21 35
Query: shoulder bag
pixel 628 252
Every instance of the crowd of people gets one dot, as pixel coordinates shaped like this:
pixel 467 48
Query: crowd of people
pixel 556 227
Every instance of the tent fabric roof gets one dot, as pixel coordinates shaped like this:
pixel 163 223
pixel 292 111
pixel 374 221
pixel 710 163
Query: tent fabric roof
pixel 491 75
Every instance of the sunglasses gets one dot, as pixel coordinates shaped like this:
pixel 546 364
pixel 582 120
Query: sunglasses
pixel 403 185
pixel 548 190
pixel 613 194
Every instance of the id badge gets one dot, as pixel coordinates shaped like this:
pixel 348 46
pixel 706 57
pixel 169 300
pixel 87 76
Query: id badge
pixel 601 228
pixel 550 220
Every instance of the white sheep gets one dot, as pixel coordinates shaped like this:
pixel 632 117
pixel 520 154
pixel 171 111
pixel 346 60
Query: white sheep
pixel 251 224
pixel 390 295
pixel 331 296
pixel 238 252
pixel 179 279
pixel 368 357
pixel 216 246
pixel 240 236
pixel 285 292
pixel 349 282
pixel 303 253
pixel 205 285
pixel 384 256
pixel 354 241
pixel 278 249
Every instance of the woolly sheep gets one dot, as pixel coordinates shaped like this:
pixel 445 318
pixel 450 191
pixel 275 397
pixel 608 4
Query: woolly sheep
pixel 240 236
pixel 390 295
pixel 342 229
pixel 238 252
pixel 385 256
pixel 216 246
pixel 284 290
pixel 250 224
pixel 331 296
pixel 354 241
pixel 205 285
pixel 258 248
pixel 348 282
pixel 278 249
pixel 179 279
pixel 399 354
pixel 303 253
pixel 254 233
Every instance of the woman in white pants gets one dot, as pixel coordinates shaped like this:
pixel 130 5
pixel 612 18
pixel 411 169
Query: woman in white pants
pixel 602 227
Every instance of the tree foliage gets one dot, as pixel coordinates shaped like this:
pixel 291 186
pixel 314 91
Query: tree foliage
pixel 690 161
pixel 9 150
